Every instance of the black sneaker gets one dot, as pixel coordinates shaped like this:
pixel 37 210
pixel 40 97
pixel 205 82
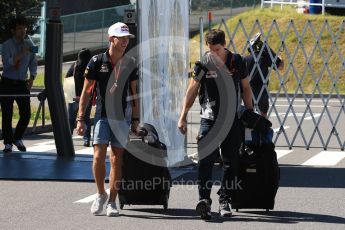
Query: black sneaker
pixel 225 209
pixel 203 208
pixel 20 145
pixel 8 148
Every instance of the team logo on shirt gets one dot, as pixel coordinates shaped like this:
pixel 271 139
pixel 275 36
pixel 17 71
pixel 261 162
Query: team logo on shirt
pixel 104 69
pixel 211 74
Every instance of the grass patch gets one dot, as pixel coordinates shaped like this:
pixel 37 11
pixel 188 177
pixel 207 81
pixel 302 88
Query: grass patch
pixel 39 80
pixel 299 75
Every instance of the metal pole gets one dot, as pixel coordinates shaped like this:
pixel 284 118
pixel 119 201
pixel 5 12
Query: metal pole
pixel 74 31
pixel 262 4
pixel 102 30
pixel 201 29
pixel 43 29
pixel 209 15
pixel 323 7
pixel 53 85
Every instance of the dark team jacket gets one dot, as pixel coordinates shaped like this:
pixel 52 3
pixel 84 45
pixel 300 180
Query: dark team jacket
pixel 264 63
pixel 100 69
pixel 208 91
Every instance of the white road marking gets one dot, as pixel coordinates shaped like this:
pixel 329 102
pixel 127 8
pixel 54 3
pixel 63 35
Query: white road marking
pixel 53 141
pixel 315 116
pixel 277 129
pixel 41 148
pixel 307 115
pixel 85 151
pixel 303 106
pixel 281 153
pixel 91 198
pixel 325 158
pixel 88 199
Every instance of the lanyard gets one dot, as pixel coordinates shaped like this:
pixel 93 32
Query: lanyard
pixel 117 72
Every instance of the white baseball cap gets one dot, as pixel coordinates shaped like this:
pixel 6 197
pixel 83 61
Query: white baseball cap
pixel 119 29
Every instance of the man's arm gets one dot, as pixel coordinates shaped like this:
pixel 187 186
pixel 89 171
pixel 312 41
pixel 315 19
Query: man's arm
pixel 189 99
pixel 84 100
pixel 281 64
pixel 32 69
pixel 247 93
pixel 9 58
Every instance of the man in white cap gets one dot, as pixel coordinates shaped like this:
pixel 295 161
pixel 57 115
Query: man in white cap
pixel 116 76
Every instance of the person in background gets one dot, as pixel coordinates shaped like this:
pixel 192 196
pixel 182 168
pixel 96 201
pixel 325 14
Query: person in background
pixel 18 57
pixel 257 81
pixel 76 71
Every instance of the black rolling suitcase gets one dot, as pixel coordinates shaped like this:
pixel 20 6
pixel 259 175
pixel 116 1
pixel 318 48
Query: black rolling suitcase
pixel 146 179
pixel 259 174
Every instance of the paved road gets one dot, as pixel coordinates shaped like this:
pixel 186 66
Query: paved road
pixel 53 205
pixel 311 193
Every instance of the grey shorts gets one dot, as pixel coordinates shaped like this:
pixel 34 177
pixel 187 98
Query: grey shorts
pixel 111 131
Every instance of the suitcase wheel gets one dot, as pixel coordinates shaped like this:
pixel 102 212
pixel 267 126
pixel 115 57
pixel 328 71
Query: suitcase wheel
pixel 121 206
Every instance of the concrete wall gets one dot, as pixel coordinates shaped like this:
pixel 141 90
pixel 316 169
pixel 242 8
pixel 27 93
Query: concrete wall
pixel 77 6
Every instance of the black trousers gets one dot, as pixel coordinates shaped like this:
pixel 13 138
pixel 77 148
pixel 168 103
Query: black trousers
pixel 8 87
pixel 229 148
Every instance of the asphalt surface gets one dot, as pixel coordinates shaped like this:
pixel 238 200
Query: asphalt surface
pixel 311 195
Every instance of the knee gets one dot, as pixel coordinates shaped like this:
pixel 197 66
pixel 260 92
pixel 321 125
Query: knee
pixel 116 158
pixel 99 155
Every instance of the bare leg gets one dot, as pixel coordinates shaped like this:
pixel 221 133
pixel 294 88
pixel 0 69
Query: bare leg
pixel 115 176
pixel 98 166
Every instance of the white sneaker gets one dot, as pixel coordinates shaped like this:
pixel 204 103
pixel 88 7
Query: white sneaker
pixel 112 210
pixel 98 203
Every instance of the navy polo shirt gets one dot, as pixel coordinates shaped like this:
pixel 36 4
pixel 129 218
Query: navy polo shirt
pixel 100 69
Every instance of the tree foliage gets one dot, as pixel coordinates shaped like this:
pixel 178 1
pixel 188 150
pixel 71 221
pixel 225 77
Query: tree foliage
pixel 18 8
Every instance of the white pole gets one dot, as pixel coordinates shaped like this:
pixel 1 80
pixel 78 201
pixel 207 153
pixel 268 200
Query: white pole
pixel 323 7
pixel 262 4
pixel 201 29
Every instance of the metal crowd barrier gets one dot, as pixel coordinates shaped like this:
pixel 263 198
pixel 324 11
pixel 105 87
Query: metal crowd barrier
pixel 41 96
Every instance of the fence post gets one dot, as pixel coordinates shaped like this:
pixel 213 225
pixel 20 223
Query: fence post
pixel 102 28
pixel 209 16
pixel 74 31
pixel 201 32
pixel 52 82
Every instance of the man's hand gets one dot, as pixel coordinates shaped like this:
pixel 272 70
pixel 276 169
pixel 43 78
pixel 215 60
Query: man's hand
pixel 134 127
pixel 29 83
pixel 80 128
pixel 182 125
